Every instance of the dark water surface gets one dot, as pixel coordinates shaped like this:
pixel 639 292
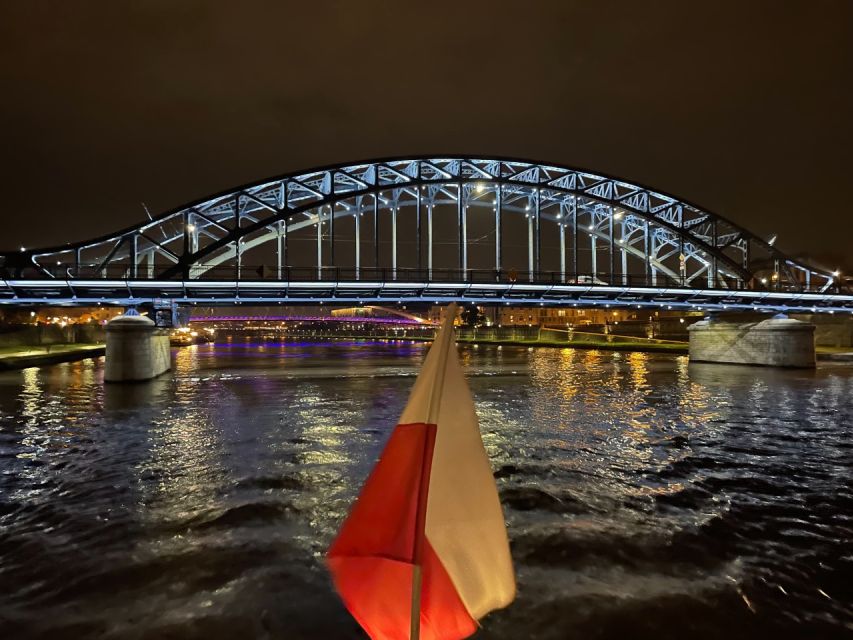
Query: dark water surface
pixel 645 498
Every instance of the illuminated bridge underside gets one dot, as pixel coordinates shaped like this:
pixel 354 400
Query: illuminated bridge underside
pixel 297 319
pixel 430 229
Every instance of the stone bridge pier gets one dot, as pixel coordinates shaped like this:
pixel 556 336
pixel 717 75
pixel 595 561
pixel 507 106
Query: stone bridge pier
pixel 779 341
pixel 137 349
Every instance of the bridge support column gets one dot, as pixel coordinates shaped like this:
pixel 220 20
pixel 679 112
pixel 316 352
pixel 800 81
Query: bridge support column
pixel 530 248
pixel 574 240
pixel 498 211
pixel 593 245
pixel 429 241
pixel 278 252
pixel 320 244
pixel 136 350
pixel 776 342
pixel 357 220
pixel 465 243
pixel 394 243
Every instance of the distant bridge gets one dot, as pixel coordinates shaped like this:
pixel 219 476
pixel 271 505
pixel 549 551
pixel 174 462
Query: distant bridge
pixel 297 318
pixel 430 229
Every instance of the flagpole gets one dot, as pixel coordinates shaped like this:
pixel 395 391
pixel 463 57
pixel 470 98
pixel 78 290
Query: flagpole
pixel 444 344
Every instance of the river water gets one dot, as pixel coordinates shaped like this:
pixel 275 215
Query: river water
pixel 645 497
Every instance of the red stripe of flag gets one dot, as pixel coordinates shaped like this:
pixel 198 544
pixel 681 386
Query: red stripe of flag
pixel 373 558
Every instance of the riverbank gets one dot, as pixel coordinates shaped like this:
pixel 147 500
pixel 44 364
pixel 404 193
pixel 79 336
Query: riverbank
pixel 835 354
pixel 22 357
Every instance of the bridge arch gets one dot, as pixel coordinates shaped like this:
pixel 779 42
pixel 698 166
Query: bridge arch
pixel 464 219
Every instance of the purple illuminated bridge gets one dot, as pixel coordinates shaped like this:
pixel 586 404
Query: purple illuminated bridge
pixel 341 319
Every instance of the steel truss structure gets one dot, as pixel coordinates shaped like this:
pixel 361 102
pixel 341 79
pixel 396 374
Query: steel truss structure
pixel 574 237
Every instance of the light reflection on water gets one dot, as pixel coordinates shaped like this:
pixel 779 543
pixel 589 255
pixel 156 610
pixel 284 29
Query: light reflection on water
pixel 643 495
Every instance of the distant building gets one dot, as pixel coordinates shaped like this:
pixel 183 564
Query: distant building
pixel 61 316
pixel 643 322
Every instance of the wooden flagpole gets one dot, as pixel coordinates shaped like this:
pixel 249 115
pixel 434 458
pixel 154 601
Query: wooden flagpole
pixel 444 344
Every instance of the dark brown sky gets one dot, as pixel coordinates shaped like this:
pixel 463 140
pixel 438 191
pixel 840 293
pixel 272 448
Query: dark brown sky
pixel 742 107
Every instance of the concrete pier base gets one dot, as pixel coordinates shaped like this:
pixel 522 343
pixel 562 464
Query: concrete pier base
pixel 136 349
pixel 776 342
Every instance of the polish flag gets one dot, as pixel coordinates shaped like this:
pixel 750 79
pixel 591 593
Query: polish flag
pixel 424 552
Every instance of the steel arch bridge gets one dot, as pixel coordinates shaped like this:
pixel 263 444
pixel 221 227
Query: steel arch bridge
pixel 434 229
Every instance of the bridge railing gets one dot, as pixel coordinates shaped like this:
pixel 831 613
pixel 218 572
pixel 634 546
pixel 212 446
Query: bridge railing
pixel 331 274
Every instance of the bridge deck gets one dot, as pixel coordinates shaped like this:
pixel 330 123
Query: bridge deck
pixel 504 290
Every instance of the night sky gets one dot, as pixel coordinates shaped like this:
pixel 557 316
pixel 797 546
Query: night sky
pixel 742 107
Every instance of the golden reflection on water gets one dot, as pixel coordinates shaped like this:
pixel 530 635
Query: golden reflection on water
pixel 618 408
pixel 32 396
pixel 186 458
pixel 329 434
pixel 639 369
pixel 50 416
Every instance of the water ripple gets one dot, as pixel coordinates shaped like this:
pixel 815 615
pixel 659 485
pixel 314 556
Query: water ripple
pixel 645 497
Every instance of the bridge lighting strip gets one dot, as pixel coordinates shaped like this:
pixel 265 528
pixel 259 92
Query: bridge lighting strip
pixel 519 287
pixel 469 292
pixel 435 299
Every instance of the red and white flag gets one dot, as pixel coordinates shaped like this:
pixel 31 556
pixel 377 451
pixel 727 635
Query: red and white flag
pixel 424 552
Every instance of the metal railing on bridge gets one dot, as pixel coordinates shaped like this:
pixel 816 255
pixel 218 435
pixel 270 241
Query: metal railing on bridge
pixel 330 274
